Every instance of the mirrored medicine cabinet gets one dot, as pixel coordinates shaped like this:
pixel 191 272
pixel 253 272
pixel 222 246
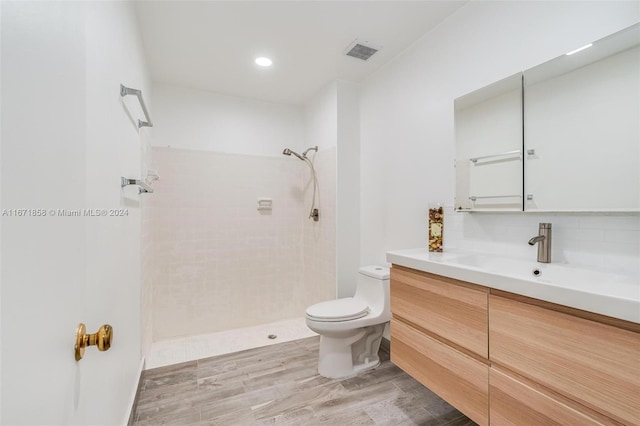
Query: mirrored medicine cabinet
pixel 562 136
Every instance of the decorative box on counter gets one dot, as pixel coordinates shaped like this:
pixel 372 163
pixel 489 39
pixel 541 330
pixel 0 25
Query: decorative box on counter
pixel 436 217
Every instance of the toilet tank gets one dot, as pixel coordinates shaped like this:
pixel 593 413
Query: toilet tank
pixel 373 287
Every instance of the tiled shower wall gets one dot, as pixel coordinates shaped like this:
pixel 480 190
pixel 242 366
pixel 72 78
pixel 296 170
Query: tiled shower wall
pixel 319 238
pixel 219 263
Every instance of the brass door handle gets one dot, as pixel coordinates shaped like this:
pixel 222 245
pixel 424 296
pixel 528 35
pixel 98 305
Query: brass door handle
pixel 102 339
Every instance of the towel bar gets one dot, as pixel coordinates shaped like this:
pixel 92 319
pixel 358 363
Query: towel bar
pixel 475 197
pixel 124 91
pixel 475 159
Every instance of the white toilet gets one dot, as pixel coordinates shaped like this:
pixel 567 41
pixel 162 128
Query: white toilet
pixel 351 328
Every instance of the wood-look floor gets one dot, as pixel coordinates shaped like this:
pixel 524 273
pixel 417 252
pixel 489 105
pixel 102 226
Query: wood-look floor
pixel 280 385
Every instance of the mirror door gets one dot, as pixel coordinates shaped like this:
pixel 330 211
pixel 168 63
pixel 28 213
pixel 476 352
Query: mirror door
pixel 582 128
pixel 488 124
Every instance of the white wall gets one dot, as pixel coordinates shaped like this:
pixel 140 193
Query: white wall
pixel 332 123
pixel 348 189
pixel 197 119
pixel 407 136
pixel 321 118
pixel 114 56
pixel 66 140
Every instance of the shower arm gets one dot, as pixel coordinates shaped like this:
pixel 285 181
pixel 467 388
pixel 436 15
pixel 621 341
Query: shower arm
pixel 313 148
pixel 302 157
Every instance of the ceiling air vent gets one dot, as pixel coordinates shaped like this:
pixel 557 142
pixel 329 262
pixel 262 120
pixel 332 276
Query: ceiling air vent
pixel 360 49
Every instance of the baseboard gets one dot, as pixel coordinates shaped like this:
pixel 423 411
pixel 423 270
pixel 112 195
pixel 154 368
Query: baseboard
pixel 133 400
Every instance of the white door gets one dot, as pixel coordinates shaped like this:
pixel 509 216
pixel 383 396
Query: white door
pixel 43 253
pixel 66 140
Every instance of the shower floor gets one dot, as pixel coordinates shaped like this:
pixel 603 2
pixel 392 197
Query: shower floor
pixel 175 351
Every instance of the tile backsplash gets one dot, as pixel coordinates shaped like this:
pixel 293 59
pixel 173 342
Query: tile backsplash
pixel 609 242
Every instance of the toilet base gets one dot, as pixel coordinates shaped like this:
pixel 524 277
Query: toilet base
pixel 347 356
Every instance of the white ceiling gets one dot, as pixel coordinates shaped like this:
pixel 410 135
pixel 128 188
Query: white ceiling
pixel 211 45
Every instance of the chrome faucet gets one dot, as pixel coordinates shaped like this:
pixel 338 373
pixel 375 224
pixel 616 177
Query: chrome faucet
pixel 544 242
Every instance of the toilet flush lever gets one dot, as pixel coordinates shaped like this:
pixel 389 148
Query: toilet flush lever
pixel 102 339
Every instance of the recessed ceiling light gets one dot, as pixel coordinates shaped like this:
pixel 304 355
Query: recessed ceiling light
pixel 263 61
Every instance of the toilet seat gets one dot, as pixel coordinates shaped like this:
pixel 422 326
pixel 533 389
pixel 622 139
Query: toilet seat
pixel 345 309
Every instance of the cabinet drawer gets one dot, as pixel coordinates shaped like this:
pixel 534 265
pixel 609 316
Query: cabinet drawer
pixel 595 364
pixel 457 378
pixel 453 310
pixel 513 402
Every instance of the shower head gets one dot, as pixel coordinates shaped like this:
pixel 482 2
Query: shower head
pixel 287 151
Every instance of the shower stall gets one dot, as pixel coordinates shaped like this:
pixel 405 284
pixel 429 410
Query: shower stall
pixel 218 260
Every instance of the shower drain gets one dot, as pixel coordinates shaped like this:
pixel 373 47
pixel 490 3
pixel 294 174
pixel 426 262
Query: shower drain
pixel 272 336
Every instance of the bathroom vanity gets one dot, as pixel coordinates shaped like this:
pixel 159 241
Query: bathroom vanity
pixel 505 348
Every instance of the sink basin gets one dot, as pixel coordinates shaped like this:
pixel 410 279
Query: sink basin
pixel 559 274
pixel 505 265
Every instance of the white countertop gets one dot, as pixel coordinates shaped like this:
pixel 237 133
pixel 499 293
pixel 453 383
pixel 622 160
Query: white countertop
pixel 604 293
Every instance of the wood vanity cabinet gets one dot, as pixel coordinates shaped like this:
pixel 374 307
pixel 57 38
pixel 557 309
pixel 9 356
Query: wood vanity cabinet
pixel 501 358
pixel 439 337
pixel 516 401
pixel 592 363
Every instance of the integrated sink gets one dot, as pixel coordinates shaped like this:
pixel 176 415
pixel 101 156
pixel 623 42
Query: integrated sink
pixel 559 274
pixel 580 287
pixel 508 266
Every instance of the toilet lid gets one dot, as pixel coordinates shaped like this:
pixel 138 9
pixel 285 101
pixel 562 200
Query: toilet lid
pixel 338 310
